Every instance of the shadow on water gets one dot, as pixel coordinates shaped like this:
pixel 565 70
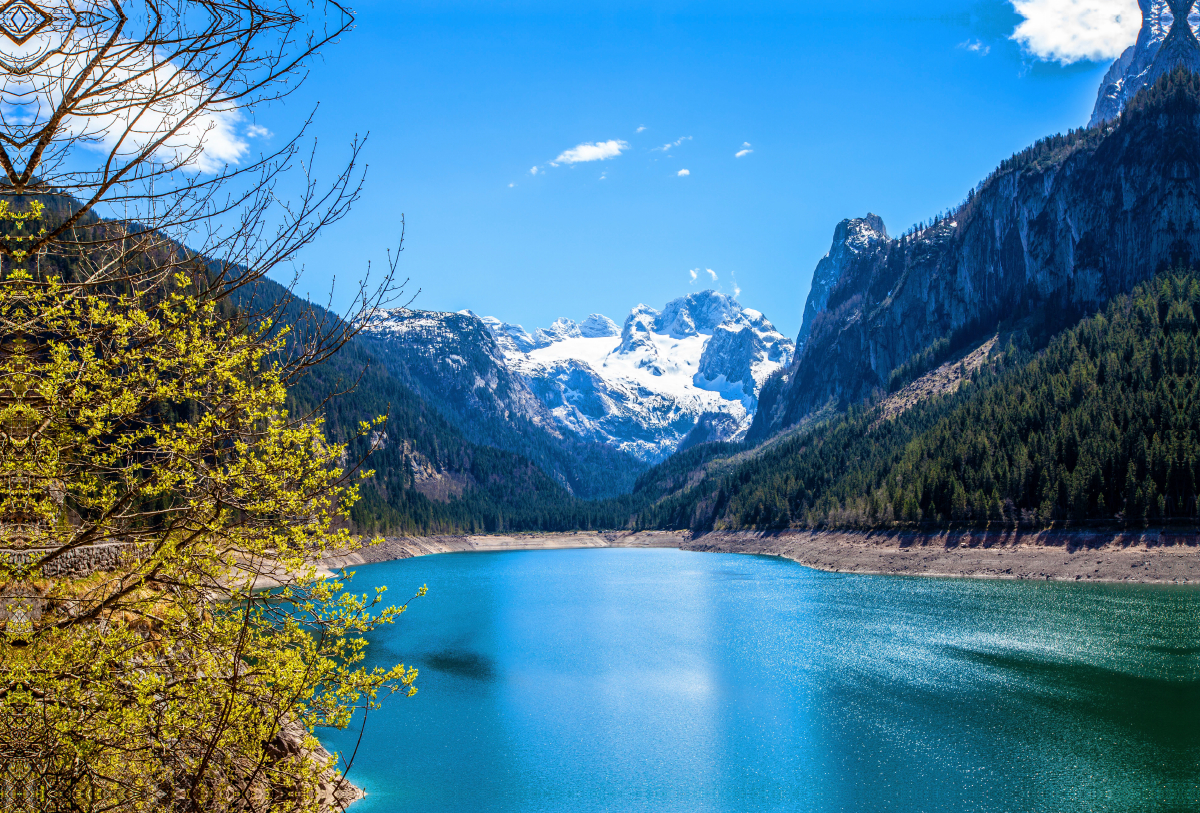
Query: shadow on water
pixel 1161 710
pixel 462 664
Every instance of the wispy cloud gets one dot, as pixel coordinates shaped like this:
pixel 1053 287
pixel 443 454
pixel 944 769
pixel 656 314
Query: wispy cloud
pixel 1069 31
pixel 975 47
pixel 604 175
pixel 533 170
pixel 598 151
pixel 258 131
pixel 672 145
pixel 712 274
pixel 742 153
pixel 511 185
pixel 640 129
pixel 737 289
pixel 692 272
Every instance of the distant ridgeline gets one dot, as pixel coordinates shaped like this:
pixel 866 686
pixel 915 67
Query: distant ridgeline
pixel 1069 416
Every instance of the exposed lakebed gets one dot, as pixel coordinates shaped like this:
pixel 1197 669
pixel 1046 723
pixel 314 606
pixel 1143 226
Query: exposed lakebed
pixel 666 680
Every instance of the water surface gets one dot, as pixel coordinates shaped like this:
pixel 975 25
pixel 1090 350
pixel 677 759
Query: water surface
pixel 663 680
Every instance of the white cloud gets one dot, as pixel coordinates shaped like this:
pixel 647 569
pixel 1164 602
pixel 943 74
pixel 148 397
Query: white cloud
pixel 604 175
pixel 640 129
pixel 674 143
pixel 712 274
pixel 683 172
pixel 599 151
pixel 511 185
pixel 737 290
pixel 692 272
pixel 742 153
pixel 975 47
pixel 745 143
pixel 1069 31
pixel 533 171
pixel 258 131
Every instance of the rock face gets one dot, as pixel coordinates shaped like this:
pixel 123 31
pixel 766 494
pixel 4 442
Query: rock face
pixel 1054 233
pixel 643 389
pixel 455 358
pixel 1159 48
pixel 850 239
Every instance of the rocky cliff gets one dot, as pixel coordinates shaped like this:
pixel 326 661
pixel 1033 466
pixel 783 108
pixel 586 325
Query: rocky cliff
pixel 850 239
pixel 1057 230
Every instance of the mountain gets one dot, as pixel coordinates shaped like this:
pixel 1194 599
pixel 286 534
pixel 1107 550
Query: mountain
pixel 1100 427
pixel 643 389
pixel 1056 231
pixel 1161 46
pixel 456 365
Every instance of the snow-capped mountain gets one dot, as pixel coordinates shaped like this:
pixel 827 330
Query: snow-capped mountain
pixel 644 387
pixel 1161 46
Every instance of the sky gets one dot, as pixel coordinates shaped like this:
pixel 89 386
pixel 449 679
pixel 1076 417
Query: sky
pixel 559 159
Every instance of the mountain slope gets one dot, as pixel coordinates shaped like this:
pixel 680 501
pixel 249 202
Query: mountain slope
pixel 453 362
pixel 1059 229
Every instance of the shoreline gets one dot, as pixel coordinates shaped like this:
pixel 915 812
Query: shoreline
pixel 1149 557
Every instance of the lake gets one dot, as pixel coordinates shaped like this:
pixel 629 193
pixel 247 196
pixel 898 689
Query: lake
pixel 664 680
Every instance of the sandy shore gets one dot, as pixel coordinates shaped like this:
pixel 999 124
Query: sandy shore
pixel 1152 557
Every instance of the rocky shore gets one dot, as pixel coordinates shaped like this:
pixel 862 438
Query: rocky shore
pixel 1149 557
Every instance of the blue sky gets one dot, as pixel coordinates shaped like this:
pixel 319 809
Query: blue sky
pixel 896 109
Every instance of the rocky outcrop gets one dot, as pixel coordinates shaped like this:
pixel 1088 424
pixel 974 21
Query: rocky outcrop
pixel 850 239
pixel 742 352
pixel 1140 65
pixel 1058 230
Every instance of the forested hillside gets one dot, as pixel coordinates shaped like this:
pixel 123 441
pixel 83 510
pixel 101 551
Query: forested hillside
pixel 1103 426
pixel 428 477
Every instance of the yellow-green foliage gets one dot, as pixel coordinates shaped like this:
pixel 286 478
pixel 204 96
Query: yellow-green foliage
pixel 140 413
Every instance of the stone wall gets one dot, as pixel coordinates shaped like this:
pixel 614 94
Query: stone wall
pixel 75 563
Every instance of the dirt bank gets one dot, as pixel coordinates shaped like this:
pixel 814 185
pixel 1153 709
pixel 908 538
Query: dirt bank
pixel 1151 557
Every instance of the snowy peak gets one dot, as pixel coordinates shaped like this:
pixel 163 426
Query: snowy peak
pixel 639 324
pixel 599 326
pixel 1161 46
pixel 644 388
pixel 696 313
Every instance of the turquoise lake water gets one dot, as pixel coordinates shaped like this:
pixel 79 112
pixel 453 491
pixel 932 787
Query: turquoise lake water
pixel 662 680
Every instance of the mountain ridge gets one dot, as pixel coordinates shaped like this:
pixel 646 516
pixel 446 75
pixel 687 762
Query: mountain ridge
pixel 701 360
pixel 1054 233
